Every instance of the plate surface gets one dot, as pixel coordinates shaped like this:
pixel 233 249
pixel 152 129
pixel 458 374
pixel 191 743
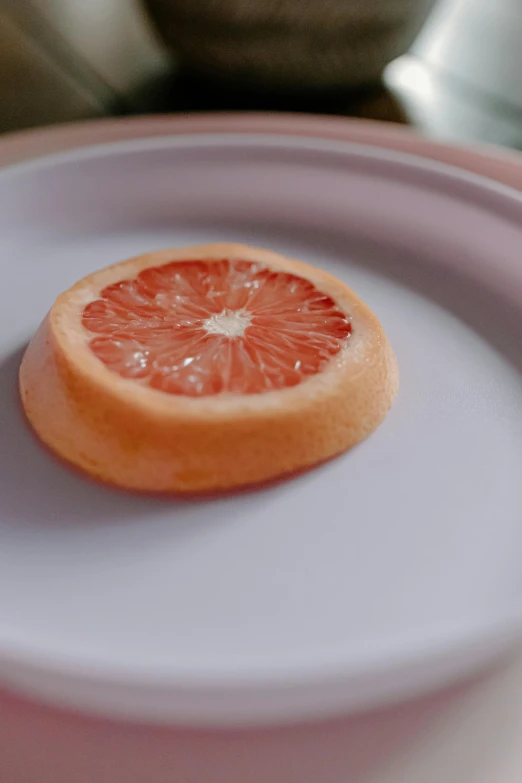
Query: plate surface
pixel 393 569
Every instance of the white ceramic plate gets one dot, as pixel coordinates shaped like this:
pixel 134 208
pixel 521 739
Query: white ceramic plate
pixel 393 569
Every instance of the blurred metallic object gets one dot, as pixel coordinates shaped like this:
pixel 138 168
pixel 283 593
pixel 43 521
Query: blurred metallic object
pixel 290 43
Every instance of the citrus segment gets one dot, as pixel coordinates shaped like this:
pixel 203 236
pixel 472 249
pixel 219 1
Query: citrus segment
pixel 205 327
pixel 206 368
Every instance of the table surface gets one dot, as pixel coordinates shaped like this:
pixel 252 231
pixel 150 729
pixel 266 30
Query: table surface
pixel 468 734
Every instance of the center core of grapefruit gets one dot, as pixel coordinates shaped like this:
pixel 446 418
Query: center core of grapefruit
pixel 204 327
pixel 229 323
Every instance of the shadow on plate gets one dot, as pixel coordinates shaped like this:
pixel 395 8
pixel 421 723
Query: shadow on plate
pixel 36 488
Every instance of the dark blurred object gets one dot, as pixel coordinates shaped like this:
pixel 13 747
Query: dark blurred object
pixel 290 44
pixel 185 90
pixel 65 60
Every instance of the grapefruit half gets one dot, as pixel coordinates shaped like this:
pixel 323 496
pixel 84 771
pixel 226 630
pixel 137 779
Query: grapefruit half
pixel 206 368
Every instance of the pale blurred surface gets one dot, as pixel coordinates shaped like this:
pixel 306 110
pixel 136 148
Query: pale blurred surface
pixel 64 60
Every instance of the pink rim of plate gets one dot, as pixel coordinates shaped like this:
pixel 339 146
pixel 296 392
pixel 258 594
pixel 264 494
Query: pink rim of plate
pixel 487 160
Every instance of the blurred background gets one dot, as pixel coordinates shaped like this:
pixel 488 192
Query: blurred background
pixel 450 68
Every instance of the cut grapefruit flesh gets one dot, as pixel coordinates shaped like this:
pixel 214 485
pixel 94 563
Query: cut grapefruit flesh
pixel 206 368
pixel 206 327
